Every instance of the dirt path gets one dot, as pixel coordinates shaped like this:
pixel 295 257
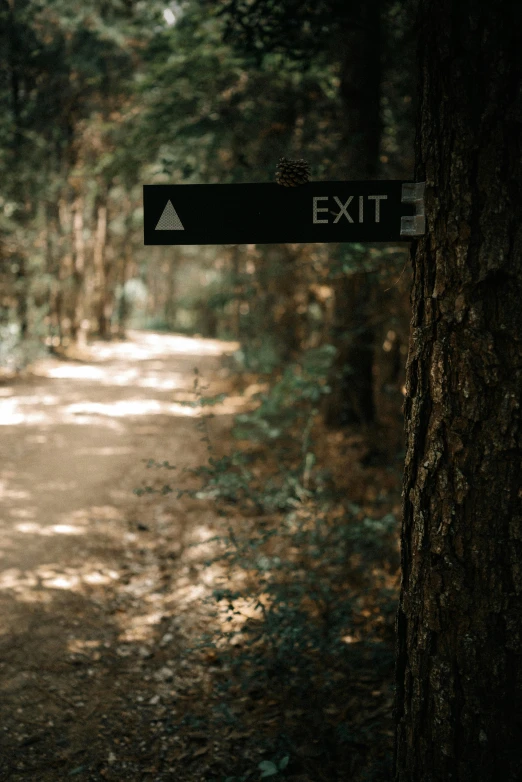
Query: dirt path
pixel 98 590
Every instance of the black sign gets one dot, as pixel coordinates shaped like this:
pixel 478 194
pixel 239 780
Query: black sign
pixel 267 213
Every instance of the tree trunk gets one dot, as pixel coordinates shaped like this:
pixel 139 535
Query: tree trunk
pixel 14 49
pixel 459 623
pixel 78 268
pixel 22 293
pixel 170 284
pixel 351 400
pixel 65 265
pixel 237 288
pixel 124 269
pixel 99 264
pixel 360 90
pixel 52 234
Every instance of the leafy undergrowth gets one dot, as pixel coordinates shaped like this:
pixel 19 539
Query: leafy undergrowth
pixel 298 658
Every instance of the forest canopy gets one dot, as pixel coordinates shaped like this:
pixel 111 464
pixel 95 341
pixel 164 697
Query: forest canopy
pixel 100 98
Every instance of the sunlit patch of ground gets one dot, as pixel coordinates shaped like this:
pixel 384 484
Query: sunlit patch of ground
pixel 137 365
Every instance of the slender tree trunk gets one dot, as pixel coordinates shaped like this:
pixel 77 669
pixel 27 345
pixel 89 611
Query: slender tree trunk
pixel 122 309
pixel 66 263
pixel 170 284
pixel 14 49
pixel 352 398
pixel 459 623
pixel 290 316
pixel 124 270
pixel 22 292
pixel 156 271
pixel 12 64
pixel 78 268
pixel 52 268
pixel 99 264
pixel 236 282
pixel 360 89
pixel 282 284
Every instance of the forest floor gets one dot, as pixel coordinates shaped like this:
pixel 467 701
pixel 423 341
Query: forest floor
pixel 102 595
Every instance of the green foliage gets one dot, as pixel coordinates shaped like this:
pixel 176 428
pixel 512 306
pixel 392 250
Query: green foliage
pixel 290 401
pixel 297 30
pixel 299 568
pixel 17 353
pixel 302 593
pixel 258 355
pixel 271 769
pixel 288 408
pixel 210 113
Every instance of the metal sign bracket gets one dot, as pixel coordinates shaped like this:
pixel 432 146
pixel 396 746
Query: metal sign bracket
pixel 413 193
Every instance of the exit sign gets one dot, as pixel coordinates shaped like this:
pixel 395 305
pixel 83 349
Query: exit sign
pixel 267 213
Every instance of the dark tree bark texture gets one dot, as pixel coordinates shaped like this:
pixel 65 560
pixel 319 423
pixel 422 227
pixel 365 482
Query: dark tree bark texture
pixel 459 661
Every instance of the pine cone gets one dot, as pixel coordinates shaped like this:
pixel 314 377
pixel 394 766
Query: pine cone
pixel 292 173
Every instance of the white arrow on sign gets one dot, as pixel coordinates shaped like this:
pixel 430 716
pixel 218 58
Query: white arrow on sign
pixel 169 220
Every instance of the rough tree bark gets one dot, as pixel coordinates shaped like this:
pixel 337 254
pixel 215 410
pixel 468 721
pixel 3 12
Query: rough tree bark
pixel 459 623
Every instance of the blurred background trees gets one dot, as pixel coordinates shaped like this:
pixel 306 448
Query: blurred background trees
pixel 99 98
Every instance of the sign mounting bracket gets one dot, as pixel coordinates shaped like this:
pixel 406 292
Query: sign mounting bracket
pixel 413 193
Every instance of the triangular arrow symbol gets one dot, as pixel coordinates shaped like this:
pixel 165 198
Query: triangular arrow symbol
pixel 169 220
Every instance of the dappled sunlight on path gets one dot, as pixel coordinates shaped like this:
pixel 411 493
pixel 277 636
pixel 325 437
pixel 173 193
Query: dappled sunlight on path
pixel 81 582
pixel 70 434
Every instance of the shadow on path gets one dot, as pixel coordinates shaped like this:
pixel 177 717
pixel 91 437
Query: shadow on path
pixel 91 640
